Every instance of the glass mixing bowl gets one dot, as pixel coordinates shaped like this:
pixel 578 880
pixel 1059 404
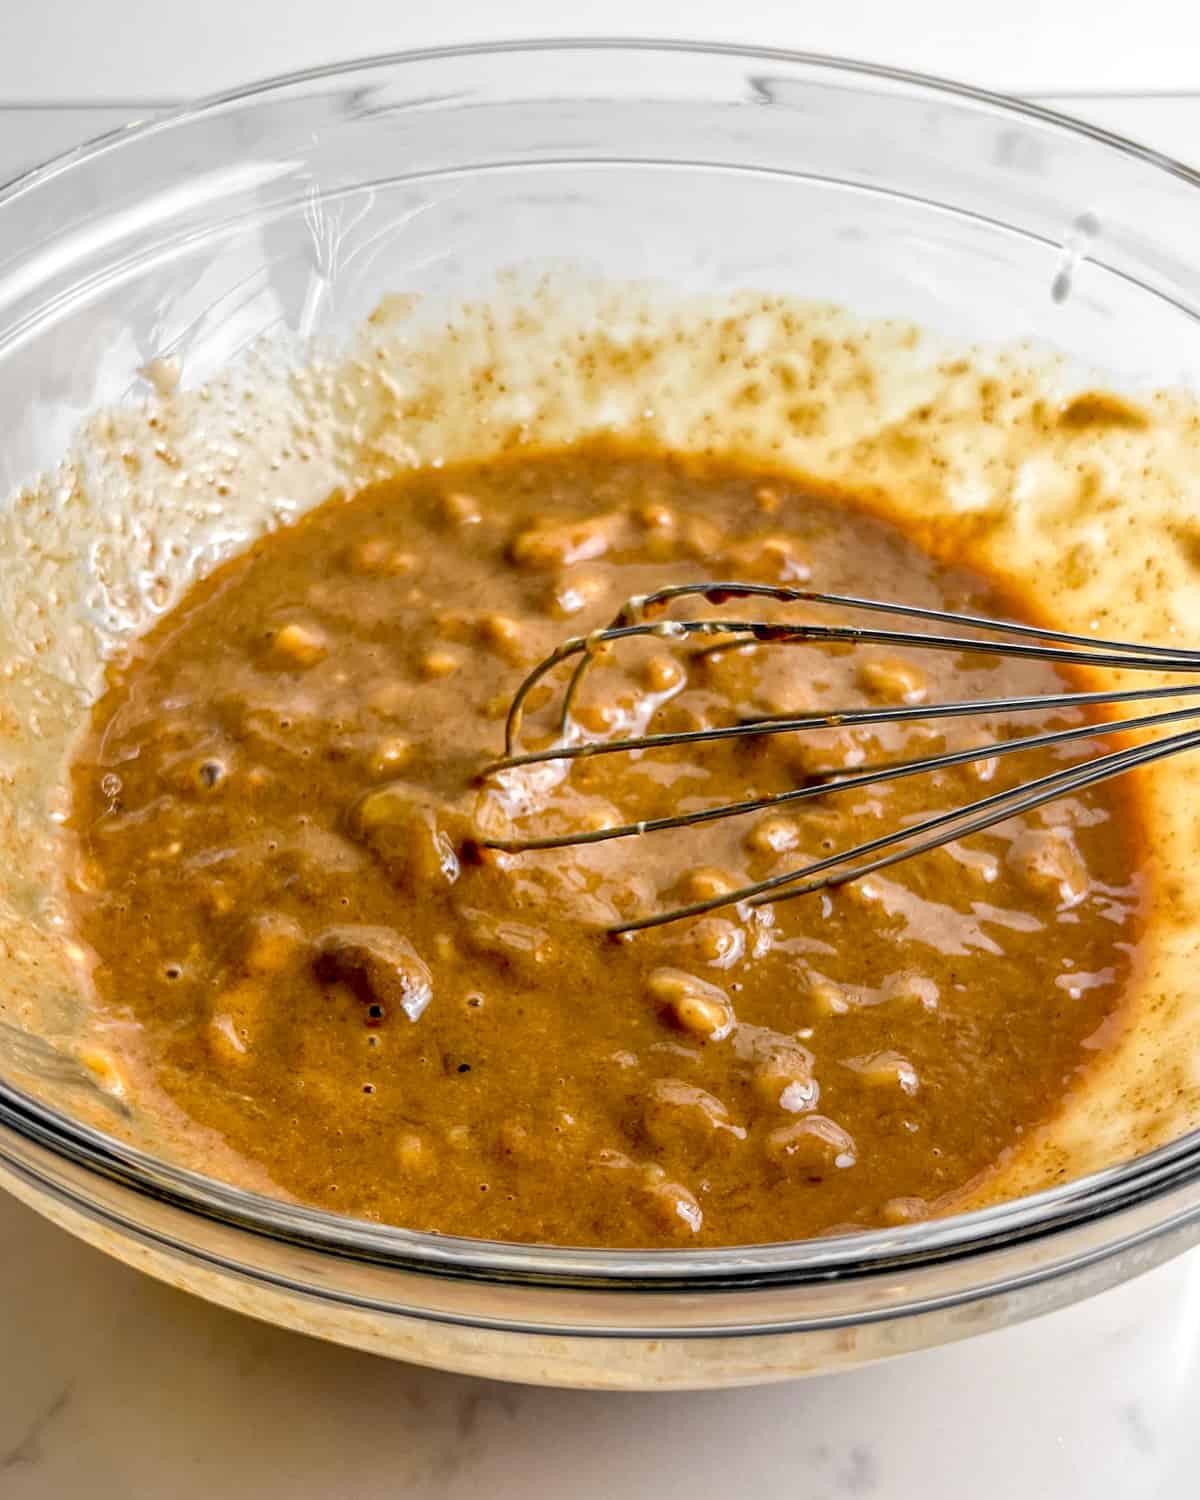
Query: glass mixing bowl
pixel 285 212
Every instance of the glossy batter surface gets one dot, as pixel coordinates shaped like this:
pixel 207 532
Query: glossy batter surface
pixel 299 944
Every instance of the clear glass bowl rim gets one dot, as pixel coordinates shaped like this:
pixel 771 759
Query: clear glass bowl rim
pixel 1086 1200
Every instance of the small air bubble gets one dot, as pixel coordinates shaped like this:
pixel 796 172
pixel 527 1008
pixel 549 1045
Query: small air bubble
pixel 110 784
pixel 368 1088
pixel 173 971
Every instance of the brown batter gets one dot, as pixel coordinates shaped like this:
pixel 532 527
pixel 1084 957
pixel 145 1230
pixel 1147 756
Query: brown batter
pixel 298 944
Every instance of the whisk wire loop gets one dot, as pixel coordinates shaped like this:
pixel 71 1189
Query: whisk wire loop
pixel 639 618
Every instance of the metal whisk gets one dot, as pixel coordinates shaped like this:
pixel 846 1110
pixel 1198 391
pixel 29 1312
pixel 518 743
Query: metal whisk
pixel 642 617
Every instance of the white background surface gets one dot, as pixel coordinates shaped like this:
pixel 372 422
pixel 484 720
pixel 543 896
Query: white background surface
pixel 114 1388
pixel 160 49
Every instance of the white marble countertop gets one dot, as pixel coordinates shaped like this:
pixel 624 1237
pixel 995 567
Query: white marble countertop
pixel 105 50
pixel 113 1387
